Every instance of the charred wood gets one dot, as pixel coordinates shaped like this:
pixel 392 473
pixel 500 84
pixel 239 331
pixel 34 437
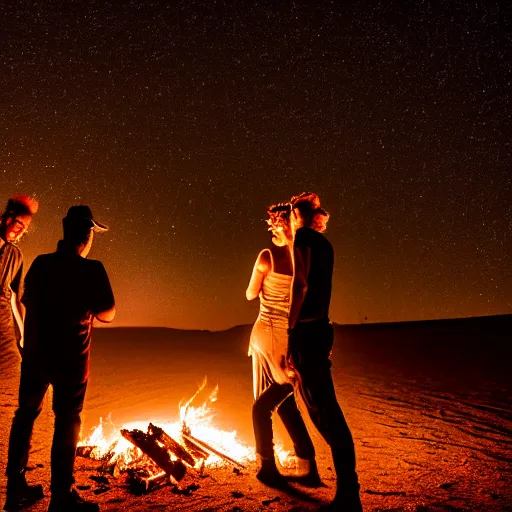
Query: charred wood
pixel 206 447
pixel 85 451
pixel 195 449
pixel 143 484
pixel 148 445
pixel 172 445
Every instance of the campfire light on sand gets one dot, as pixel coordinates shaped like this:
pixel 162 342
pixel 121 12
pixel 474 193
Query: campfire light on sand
pixel 109 444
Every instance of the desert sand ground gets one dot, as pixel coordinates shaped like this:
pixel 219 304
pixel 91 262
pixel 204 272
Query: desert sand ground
pixel 432 425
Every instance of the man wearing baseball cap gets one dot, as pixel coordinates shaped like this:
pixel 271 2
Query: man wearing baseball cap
pixel 64 293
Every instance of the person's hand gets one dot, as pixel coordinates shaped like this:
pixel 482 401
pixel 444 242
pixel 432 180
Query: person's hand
pixel 288 367
pixel 19 344
pixel 289 362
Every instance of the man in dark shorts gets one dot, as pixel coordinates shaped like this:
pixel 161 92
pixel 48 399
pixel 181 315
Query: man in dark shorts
pixel 63 294
pixel 311 339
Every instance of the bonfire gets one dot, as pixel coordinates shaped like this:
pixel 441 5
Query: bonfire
pixel 154 455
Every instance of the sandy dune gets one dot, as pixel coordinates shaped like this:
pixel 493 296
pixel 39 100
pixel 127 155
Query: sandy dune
pixel 429 406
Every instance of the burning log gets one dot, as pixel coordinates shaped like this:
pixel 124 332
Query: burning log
pixel 195 449
pixel 172 445
pixel 141 484
pixel 110 452
pixel 206 447
pixel 84 451
pixel 148 444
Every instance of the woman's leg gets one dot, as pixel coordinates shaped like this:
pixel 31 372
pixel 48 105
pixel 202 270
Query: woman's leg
pixel 294 424
pixel 262 410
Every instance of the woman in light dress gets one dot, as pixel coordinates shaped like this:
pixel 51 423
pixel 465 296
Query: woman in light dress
pixel 271 281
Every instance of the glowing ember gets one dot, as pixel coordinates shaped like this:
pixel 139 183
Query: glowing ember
pixel 107 443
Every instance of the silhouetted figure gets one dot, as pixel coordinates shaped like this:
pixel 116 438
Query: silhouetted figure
pixel 64 292
pixel 311 341
pixel 271 281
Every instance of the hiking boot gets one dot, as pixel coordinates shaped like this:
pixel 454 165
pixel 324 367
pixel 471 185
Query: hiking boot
pixel 345 503
pixel 20 494
pixel 269 475
pixel 72 502
pixel 339 506
pixel 347 496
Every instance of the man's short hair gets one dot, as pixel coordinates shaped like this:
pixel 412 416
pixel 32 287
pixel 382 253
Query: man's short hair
pixel 19 206
pixel 313 215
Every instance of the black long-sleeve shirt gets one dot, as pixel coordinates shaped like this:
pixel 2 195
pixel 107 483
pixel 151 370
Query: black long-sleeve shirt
pixel 319 279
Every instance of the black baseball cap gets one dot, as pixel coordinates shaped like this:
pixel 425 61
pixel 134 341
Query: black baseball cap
pixel 82 213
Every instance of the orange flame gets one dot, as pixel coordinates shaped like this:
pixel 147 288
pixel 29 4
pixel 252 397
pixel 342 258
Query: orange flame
pixel 113 449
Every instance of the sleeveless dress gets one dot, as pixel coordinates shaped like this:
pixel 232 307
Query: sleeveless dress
pixel 269 337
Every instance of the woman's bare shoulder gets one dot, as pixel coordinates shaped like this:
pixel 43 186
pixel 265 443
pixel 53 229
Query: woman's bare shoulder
pixel 264 261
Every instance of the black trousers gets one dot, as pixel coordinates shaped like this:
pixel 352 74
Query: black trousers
pixel 280 396
pixel 69 384
pixel 310 347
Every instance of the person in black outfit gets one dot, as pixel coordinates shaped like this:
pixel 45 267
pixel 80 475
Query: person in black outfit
pixel 311 340
pixel 63 294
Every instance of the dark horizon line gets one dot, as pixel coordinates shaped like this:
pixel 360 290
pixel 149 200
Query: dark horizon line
pixel 360 324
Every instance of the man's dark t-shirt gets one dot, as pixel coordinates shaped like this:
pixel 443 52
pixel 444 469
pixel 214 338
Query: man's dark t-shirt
pixel 318 294
pixel 63 292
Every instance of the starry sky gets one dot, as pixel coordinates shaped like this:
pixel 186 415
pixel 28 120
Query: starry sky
pixel 179 122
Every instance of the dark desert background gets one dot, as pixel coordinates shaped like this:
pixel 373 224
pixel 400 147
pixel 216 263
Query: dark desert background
pixel 429 405
pixel 179 123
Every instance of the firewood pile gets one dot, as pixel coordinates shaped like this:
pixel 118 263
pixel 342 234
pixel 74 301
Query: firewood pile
pixel 158 459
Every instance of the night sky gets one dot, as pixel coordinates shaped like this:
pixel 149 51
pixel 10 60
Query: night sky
pixel 178 124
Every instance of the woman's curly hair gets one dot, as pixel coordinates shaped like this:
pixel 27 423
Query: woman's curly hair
pixel 314 216
pixel 20 205
pixel 278 216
